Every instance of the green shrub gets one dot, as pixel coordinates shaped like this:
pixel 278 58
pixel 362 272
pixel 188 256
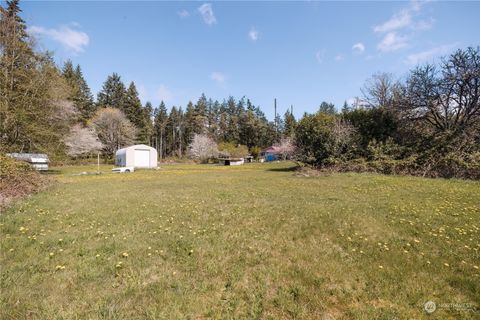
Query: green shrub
pixel 18 179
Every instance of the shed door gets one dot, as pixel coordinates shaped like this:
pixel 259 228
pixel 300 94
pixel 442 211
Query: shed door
pixel 142 158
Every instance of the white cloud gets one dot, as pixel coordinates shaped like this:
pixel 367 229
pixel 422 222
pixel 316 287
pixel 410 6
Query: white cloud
pixel 339 57
pixel 183 14
pixel 420 57
pixel 253 34
pixel 392 42
pixel 319 55
pixel 164 93
pixel 400 20
pixel 71 39
pixel 358 48
pixel 207 13
pixel 393 30
pixel 218 77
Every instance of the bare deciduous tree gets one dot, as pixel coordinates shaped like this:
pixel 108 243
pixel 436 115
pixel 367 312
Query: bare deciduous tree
pixel 379 90
pixel 447 98
pixel 113 128
pixel 343 136
pixel 82 141
pixel 202 148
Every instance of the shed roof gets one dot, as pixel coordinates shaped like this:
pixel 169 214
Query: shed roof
pixel 28 156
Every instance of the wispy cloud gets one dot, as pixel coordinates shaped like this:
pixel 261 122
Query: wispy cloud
pixel 73 40
pixel 401 27
pixel 392 41
pixel 320 55
pixel 207 13
pixel 164 93
pixel 219 77
pixel 358 48
pixel 253 34
pixel 339 57
pixel 397 21
pixel 423 56
pixel 183 13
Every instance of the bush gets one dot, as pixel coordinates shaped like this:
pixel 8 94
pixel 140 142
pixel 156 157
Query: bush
pixel 314 138
pixel 18 179
pixel 229 149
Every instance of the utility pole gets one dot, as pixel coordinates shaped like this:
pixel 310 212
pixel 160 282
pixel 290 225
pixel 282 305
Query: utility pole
pixel 275 118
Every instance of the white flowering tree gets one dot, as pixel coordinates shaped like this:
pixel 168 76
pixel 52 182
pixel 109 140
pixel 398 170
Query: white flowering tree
pixel 202 148
pixel 285 148
pixel 82 141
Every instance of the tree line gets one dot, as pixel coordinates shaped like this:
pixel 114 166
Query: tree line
pixel 45 108
pixel 426 123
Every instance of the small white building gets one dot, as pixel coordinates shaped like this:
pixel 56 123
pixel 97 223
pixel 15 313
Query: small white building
pixel 37 160
pixel 230 161
pixel 138 156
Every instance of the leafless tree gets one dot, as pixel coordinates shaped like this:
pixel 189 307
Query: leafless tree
pixel 82 141
pixel 447 98
pixel 379 90
pixel 202 148
pixel 343 136
pixel 113 128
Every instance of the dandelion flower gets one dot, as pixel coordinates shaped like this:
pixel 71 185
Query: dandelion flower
pixel 11 250
pixel 381 267
pixel 446 265
pixel 52 254
pixel 475 267
pixel 125 255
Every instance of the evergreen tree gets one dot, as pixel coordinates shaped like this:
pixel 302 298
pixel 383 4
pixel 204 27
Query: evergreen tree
pixel 80 94
pixel 327 108
pixel 85 101
pixel 132 107
pixel 113 93
pixel 146 127
pixel 289 124
pixel 160 123
pixel 34 113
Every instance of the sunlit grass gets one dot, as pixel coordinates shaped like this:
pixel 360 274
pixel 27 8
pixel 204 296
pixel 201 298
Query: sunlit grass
pixel 255 241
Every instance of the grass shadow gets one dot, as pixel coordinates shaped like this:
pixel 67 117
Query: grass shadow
pixel 51 172
pixel 287 169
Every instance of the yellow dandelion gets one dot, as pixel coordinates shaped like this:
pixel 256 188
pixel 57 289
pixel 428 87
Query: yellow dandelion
pixel 11 250
pixel 52 254
pixel 475 267
pixel 446 265
pixel 381 267
pixel 125 255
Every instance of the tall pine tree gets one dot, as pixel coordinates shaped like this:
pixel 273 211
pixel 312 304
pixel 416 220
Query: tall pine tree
pixel 113 93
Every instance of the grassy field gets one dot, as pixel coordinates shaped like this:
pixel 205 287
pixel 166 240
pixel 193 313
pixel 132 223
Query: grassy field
pixel 256 241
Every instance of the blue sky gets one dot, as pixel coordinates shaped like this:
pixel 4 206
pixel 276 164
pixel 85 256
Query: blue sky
pixel 302 53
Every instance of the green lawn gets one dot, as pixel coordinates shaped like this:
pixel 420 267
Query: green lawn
pixel 255 241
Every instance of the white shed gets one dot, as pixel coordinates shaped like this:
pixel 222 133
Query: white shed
pixel 138 156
